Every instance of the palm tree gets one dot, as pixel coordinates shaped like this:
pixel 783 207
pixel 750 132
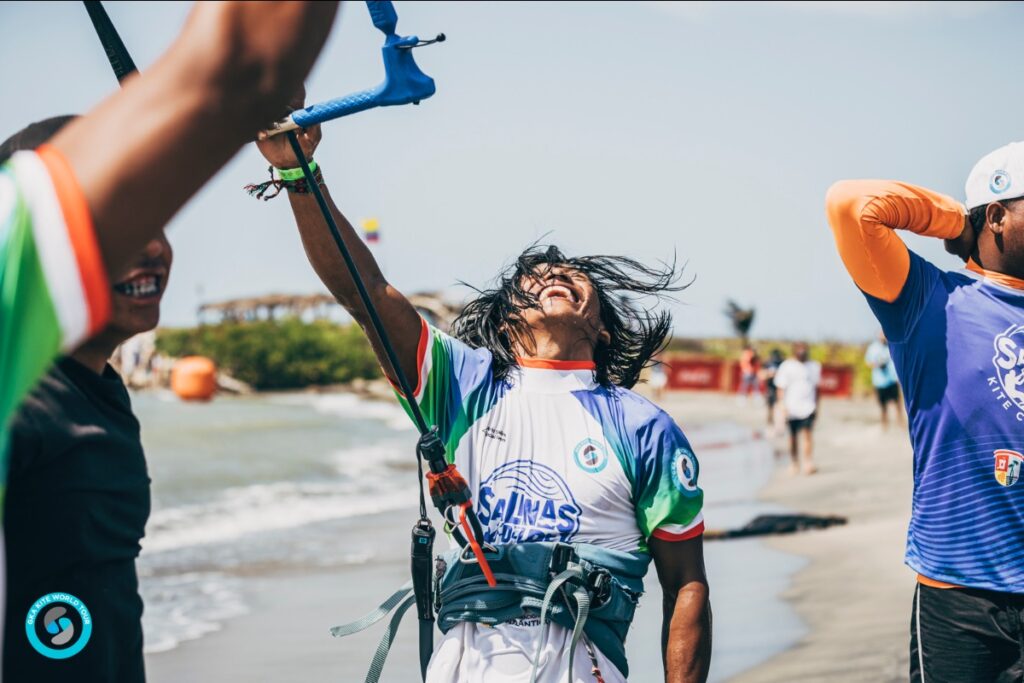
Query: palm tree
pixel 742 319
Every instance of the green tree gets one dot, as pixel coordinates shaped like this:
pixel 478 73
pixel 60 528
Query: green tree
pixel 278 354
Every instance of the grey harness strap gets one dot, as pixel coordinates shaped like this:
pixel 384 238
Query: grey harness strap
pixel 373 617
pixel 582 599
pixel 399 602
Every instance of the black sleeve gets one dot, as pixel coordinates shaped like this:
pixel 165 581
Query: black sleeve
pixel 26 440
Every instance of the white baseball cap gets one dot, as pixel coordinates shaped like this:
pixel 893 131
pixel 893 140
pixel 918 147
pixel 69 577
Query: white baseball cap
pixel 998 176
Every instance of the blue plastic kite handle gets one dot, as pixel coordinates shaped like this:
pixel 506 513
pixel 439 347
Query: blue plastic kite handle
pixel 383 15
pixel 404 83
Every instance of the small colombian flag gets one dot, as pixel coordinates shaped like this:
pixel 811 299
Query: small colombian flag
pixel 371 230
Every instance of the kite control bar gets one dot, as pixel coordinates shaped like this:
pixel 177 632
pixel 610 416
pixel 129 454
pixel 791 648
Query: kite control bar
pixel 403 83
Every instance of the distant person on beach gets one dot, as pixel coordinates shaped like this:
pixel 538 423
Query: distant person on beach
pixel 798 378
pixel 767 376
pixel 75 442
pixel 75 213
pixel 956 339
pixel 884 379
pixel 658 379
pixel 749 363
pixel 530 394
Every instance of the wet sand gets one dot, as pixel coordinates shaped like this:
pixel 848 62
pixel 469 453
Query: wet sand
pixel 855 593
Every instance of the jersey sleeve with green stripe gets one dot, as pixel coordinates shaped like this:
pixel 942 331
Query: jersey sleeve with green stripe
pixel 42 298
pixel 668 499
pixel 657 459
pixel 455 385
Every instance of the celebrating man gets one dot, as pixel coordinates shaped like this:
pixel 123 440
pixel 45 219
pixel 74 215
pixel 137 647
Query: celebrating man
pixel 956 339
pixel 530 395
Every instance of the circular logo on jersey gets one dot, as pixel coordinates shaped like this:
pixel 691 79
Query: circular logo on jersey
pixel 525 501
pixel 590 456
pixel 58 625
pixel 684 471
pixel 999 182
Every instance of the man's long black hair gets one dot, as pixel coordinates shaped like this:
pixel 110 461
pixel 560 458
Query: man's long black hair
pixel 623 287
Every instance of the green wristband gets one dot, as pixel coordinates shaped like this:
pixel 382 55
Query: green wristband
pixel 288 174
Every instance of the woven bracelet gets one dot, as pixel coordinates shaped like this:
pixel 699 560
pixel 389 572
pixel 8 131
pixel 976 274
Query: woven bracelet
pixel 291 179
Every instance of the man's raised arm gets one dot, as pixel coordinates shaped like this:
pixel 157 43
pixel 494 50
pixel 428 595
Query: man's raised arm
pixel 863 215
pixel 401 320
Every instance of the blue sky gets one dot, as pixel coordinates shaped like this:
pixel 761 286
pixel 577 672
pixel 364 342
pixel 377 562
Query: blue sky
pixel 708 130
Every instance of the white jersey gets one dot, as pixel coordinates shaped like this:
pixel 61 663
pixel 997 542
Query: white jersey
pixel 550 455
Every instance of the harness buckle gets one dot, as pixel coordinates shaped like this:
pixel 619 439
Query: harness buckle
pixel 561 555
pixel 431 449
pixel 599 585
pixel 440 567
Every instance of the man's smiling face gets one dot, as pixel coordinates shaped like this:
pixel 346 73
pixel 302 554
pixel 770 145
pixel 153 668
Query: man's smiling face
pixel 137 294
pixel 566 298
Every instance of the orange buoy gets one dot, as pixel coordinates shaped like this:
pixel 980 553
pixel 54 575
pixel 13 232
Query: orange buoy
pixel 194 378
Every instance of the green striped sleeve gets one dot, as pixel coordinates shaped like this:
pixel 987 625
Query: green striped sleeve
pixel 449 373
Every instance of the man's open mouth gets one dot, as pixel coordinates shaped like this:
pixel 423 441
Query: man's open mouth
pixel 140 287
pixel 558 292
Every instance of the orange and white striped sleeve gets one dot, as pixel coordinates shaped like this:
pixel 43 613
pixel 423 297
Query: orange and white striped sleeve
pixel 53 284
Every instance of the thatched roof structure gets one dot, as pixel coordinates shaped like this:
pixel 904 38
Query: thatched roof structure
pixel 269 306
pixel 432 305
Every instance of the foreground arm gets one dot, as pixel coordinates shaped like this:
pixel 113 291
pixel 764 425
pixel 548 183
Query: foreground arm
pixel 686 625
pixel 863 215
pixel 397 314
pixel 146 149
pixel 77 210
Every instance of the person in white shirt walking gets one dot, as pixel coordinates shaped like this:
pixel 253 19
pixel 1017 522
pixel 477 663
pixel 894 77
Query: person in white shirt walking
pixel 798 378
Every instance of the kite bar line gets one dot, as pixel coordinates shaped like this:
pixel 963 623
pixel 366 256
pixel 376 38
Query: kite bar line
pixel 117 53
pixel 364 295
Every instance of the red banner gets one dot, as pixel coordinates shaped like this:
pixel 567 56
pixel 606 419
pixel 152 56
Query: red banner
pixel 836 380
pixel 715 374
pixel 695 373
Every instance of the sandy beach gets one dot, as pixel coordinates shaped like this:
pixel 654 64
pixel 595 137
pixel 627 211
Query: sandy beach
pixel 854 594
pixel 845 593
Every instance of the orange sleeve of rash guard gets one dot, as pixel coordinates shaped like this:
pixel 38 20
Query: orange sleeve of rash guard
pixel 863 215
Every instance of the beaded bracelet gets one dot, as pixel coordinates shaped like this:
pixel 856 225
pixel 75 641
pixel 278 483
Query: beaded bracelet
pixel 291 179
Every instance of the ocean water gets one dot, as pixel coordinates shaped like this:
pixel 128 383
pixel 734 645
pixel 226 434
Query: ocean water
pixel 244 487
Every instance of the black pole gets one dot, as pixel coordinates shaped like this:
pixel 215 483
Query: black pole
pixel 117 53
pixel 422 549
pixel 371 310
